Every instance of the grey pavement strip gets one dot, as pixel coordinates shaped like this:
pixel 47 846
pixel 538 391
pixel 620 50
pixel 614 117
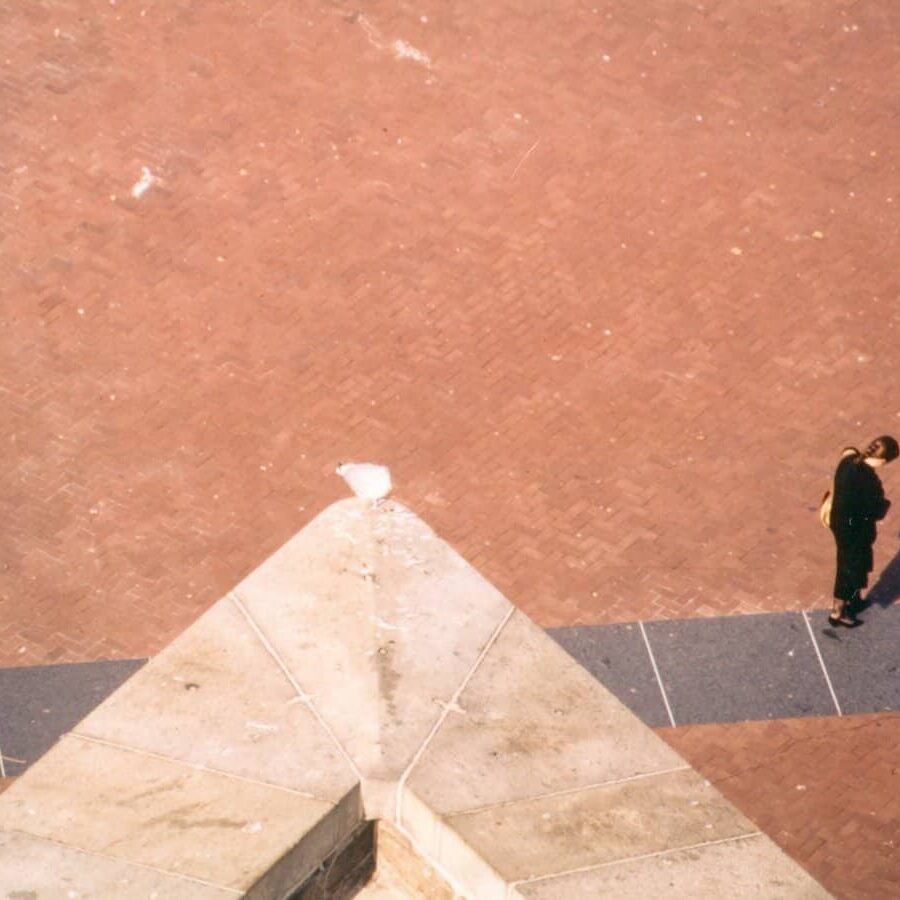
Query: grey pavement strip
pixel 38 704
pixel 735 668
pixel 616 656
pixel 864 663
pixel 724 669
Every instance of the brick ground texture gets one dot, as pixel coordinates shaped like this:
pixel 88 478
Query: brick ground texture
pixel 827 790
pixel 607 286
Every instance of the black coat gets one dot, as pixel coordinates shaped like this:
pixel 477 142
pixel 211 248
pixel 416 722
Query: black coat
pixel 858 503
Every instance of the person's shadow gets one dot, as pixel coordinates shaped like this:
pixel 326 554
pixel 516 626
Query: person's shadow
pixel 887 589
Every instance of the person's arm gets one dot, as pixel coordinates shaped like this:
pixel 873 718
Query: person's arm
pixel 874 504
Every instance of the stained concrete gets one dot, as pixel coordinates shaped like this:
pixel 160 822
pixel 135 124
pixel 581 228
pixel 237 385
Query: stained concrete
pixel 147 810
pixel 742 868
pixel 46 870
pixel 531 722
pixel 365 657
pixel 217 699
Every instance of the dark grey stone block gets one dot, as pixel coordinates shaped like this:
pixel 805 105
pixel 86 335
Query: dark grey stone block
pixel 38 704
pixel 863 663
pixel 738 668
pixel 616 656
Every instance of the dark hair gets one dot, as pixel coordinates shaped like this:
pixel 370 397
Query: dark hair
pixel 884 447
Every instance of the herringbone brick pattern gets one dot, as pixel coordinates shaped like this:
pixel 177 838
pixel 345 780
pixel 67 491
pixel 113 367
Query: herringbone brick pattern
pixel 827 790
pixel 608 287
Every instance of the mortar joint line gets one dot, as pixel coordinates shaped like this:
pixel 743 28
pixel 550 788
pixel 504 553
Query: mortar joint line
pixel 198 767
pixel 130 862
pixel 630 859
pixel 815 644
pixel 458 889
pixel 307 699
pixel 401 784
pixel 659 680
pixel 2 766
pixel 573 790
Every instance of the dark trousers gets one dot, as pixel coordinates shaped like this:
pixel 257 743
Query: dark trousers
pixel 854 559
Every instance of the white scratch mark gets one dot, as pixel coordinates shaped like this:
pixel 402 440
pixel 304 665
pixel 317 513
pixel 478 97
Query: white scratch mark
pixel 522 160
pixel 403 50
pixel 372 33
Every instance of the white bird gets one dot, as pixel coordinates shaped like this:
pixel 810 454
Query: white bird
pixel 368 480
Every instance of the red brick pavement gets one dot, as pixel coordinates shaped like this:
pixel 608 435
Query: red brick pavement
pixel 826 789
pixel 606 285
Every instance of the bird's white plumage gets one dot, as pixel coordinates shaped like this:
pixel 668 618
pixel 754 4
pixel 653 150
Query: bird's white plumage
pixel 367 480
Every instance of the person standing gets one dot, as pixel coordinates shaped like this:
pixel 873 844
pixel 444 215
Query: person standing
pixel 858 502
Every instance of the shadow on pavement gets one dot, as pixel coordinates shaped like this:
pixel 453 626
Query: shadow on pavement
pixel 887 589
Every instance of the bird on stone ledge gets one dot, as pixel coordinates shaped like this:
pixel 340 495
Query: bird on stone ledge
pixel 367 480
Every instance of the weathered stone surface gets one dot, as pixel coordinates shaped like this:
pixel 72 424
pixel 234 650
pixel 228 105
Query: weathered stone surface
pixel 217 698
pixel 143 809
pixel 379 621
pixel 441 844
pixel 366 664
pixel 562 832
pixel 746 869
pixel 531 721
pixel 32 868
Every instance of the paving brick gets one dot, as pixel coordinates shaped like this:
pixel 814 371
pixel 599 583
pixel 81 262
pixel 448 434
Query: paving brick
pixel 826 789
pixel 512 274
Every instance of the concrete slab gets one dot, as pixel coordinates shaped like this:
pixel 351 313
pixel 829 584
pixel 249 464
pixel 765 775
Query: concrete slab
pixel 499 756
pixel 863 663
pixel 616 656
pixel 750 868
pixel 47 870
pixel 740 667
pixel 465 867
pixel 559 833
pixel 216 698
pixel 141 809
pixel 379 621
pixel 531 721
pixel 39 703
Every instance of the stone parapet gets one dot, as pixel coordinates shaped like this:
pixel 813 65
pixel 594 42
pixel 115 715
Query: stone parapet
pixel 367 672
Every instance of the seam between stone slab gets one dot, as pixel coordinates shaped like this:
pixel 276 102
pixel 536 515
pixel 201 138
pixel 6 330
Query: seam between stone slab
pixel 90 739
pixel 572 790
pixel 124 860
pixel 434 861
pixel 628 859
pixel 815 644
pixel 659 681
pixel 302 695
pixel 447 707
